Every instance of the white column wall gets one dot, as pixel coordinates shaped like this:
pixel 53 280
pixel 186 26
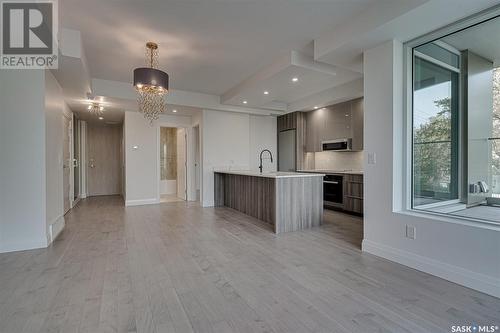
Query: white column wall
pixel 54 122
pixel 22 160
pixel 226 141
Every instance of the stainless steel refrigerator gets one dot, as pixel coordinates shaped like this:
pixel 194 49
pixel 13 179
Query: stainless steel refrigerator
pixel 287 151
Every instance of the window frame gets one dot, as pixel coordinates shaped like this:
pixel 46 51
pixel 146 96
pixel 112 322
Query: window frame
pixel 456 147
pixel 408 90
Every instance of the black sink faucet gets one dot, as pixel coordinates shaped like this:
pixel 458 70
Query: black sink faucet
pixel 270 154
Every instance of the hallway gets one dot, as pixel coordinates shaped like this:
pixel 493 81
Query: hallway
pixel 177 267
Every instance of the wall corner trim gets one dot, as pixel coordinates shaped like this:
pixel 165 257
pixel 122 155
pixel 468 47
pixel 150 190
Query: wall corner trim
pixel 483 283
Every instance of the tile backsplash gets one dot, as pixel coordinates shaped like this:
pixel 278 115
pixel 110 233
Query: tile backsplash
pixel 331 160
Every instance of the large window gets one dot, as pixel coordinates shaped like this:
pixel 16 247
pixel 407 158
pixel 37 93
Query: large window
pixel 454 98
pixel 435 130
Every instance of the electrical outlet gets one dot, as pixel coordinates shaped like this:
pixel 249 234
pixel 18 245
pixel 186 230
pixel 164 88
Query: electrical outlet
pixel 410 232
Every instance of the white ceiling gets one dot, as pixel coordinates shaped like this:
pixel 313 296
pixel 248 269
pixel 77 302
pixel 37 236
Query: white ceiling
pixel 114 109
pixel 206 46
pixel 221 52
pixel 283 90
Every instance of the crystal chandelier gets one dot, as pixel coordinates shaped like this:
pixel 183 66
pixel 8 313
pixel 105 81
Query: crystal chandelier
pixel 95 108
pixel 151 85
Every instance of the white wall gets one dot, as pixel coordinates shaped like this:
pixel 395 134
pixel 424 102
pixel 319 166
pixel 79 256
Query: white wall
pixel 463 253
pixel 32 136
pixel 54 122
pixel 142 164
pixel 233 141
pixel 226 141
pixel 263 135
pixel 141 171
pixel 22 162
pixel 31 165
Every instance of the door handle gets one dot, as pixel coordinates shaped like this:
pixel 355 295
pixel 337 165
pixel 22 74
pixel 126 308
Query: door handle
pixel 91 163
pixel 330 182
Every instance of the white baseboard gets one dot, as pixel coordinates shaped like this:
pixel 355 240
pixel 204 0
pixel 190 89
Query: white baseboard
pixel 467 278
pixel 55 229
pixel 141 202
pixel 12 247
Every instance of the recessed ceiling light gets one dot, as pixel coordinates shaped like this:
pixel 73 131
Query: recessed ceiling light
pixel 266 92
pixel 174 110
pixel 295 79
pixel 245 102
pixel 101 118
pixel 315 107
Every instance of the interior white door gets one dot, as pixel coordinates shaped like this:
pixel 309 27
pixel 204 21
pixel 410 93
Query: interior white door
pixel 67 163
pixel 181 163
pixel 76 159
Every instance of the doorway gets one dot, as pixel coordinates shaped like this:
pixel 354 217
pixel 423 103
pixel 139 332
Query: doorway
pixel 173 158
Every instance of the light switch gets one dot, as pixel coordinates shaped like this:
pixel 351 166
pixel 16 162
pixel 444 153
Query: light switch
pixel 372 158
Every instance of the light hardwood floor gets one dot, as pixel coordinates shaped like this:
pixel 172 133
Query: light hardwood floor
pixel 177 267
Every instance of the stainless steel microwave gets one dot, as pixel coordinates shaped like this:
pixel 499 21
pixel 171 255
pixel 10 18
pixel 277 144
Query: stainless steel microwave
pixel 337 145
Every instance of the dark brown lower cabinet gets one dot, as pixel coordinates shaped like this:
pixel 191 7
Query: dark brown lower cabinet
pixel 353 193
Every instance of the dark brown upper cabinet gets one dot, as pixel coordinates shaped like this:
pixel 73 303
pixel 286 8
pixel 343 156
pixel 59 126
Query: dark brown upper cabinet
pixel 338 121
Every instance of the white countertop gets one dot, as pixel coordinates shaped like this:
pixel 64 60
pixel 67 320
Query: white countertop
pixel 347 172
pixel 278 174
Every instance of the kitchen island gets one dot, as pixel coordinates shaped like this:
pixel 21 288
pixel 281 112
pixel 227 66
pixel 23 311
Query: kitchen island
pixel 289 201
